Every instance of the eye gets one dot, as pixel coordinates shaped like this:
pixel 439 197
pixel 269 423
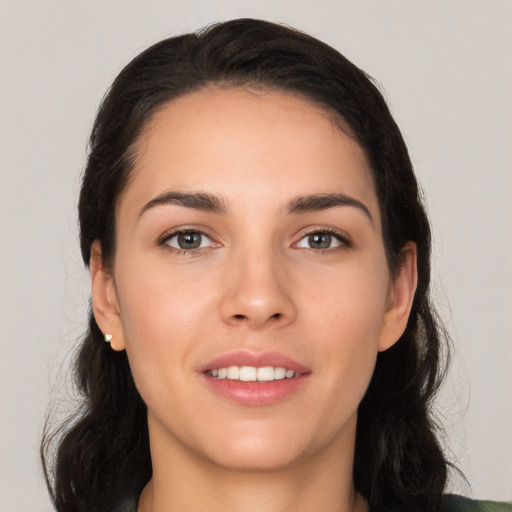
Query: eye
pixel 187 240
pixel 321 241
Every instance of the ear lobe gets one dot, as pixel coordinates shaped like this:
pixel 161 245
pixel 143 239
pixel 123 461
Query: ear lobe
pixel 104 298
pixel 402 290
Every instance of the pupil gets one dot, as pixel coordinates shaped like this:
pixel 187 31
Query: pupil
pixel 189 240
pixel 320 241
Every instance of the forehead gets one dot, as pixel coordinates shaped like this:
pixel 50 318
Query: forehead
pixel 241 142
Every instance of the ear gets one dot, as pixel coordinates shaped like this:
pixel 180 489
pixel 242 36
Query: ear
pixel 104 298
pixel 401 295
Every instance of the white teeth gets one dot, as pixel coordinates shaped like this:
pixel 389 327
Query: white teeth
pixel 253 373
pixel 248 373
pixel 279 373
pixel 233 373
pixel 266 374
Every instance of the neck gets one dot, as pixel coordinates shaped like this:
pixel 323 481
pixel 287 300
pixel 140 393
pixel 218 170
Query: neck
pixel 254 493
pixel 186 482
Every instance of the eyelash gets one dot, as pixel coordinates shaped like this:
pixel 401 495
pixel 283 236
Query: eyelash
pixel 164 240
pixel 344 241
pixel 341 238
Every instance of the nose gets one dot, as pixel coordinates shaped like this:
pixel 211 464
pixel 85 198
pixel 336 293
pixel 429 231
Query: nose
pixel 257 292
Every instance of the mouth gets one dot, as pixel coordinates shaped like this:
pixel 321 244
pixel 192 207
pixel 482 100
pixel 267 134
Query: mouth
pixel 253 373
pixel 255 379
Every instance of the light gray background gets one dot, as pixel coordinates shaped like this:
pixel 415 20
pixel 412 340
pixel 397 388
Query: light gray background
pixel 446 69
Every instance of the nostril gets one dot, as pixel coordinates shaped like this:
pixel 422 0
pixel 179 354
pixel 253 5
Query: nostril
pixel 275 316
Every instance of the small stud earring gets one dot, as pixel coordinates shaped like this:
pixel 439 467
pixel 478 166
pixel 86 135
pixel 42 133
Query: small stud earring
pixel 108 338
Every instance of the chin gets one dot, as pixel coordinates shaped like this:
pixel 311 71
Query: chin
pixel 278 445
pixel 259 452
pixel 256 460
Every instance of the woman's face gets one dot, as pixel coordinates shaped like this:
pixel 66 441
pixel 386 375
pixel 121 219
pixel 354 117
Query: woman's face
pixel 249 246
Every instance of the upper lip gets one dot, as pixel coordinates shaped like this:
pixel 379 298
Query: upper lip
pixel 256 359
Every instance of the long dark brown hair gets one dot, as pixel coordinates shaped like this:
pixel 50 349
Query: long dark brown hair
pixel 101 455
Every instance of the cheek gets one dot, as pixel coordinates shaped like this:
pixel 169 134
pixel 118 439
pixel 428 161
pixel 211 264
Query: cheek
pixel 162 318
pixel 352 299
pixel 158 299
pixel 353 315
pixel 350 351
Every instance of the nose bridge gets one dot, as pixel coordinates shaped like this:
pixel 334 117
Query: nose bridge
pixel 257 291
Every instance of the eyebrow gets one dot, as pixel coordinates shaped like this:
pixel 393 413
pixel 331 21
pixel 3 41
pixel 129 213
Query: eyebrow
pixel 197 200
pixel 318 202
pixel 216 204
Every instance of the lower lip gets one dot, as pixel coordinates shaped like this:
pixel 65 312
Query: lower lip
pixel 256 393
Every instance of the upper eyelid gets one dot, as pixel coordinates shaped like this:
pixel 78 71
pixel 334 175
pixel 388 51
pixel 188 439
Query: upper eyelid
pixel 183 229
pixel 163 241
pixel 311 230
pixel 344 240
pixel 341 235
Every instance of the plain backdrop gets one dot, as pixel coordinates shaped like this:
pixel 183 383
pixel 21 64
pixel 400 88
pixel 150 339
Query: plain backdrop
pixel 446 70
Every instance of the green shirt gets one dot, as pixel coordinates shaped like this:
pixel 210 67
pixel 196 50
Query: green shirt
pixel 452 503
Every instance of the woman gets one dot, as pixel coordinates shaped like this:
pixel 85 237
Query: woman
pixel 259 258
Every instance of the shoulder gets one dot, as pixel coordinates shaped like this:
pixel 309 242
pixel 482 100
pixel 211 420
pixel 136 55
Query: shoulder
pixel 452 503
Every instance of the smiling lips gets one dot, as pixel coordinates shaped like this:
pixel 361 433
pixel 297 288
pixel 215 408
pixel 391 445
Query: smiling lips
pixel 253 373
pixel 255 379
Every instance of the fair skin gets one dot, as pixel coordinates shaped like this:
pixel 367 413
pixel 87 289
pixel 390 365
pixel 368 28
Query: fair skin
pixel 262 269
